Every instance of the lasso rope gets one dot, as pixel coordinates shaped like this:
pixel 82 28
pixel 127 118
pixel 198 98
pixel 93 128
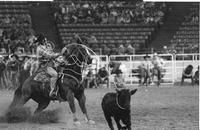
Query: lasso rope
pixel 89 49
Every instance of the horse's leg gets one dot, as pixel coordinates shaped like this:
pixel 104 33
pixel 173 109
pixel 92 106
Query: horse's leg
pixel 70 99
pixel 42 106
pixel 23 100
pixel 81 100
pixel 16 98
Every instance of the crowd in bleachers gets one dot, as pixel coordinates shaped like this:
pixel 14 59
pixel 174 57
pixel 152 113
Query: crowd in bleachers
pixel 16 33
pixel 193 16
pixel 16 39
pixel 186 39
pixel 113 23
pixel 109 12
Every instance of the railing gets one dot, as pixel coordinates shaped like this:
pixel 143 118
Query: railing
pixel 175 64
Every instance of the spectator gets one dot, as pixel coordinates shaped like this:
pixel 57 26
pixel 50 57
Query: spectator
pixel 112 12
pixel 130 50
pixel 92 39
pixel 165 50
pixel 103 76
pixel 121 50
pixel 89 78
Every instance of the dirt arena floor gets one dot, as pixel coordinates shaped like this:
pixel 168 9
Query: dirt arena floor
pixel 165 108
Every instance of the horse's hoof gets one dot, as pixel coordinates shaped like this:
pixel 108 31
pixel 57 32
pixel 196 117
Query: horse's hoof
pixel 77 123
pixel 91 122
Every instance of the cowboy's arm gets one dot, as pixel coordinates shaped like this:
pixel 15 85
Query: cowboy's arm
pixel 43 52
pixel 34 67
pixel 27 64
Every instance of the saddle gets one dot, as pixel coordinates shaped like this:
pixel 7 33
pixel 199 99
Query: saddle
pixel 42 76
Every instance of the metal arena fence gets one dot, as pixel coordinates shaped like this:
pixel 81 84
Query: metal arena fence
pixel 175 64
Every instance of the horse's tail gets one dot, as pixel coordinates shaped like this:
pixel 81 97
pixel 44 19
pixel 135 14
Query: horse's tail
pixel 17 96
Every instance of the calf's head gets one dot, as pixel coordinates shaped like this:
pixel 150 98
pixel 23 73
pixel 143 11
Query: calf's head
pixel 124 97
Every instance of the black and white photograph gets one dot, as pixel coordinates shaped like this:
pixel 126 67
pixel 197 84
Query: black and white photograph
pixel 99 65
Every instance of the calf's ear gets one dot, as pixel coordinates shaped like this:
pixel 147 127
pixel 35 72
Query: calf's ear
pixel 133 91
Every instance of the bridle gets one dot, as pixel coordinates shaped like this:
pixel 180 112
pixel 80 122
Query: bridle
pixel 76 61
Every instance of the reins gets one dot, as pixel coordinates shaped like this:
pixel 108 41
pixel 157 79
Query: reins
pixel 76 61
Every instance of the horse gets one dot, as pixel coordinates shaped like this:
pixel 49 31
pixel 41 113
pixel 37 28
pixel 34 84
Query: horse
pixel 24 72
pixel 69 84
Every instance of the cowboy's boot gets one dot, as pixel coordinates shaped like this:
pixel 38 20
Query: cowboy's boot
pixel 52 85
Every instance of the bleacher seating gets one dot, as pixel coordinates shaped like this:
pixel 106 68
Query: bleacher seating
pixel 187 36
pixel 110 35
pixel 14 11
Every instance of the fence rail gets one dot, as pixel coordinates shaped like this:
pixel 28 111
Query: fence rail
pixel 174 67
pixel 175 64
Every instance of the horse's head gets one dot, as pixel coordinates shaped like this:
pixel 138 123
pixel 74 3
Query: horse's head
pixel 83 54
pixel 79 51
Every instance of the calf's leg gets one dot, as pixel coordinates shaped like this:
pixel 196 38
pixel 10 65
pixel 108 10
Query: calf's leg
pixel 109 120
pixel 127 121
pixel 117 122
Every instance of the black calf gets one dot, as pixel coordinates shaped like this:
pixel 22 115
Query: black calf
pixel 117 105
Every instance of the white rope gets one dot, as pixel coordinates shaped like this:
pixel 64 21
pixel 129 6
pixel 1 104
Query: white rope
pixel 118 103
pixel 70 76
pixel 87 48
pixel 73 71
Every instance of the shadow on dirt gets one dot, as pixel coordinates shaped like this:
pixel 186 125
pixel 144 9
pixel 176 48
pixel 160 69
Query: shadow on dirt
pixel 24 114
